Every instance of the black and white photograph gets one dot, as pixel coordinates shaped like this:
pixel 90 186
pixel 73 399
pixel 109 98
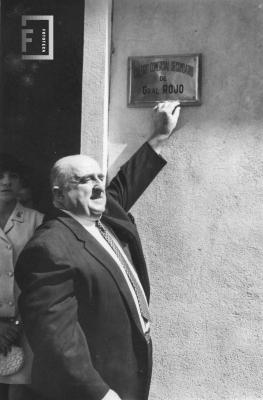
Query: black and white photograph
pixel 131 200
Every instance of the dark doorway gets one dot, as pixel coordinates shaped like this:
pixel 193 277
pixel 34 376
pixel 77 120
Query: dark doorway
pixel 41 110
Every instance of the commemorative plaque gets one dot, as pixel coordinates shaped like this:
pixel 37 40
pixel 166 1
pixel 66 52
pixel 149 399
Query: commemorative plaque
pixel 158 78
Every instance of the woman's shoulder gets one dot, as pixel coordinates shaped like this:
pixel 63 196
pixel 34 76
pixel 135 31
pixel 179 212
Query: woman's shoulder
pixel 29 214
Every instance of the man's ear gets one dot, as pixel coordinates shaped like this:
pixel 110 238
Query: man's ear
pixel 56 190
pixel 58 194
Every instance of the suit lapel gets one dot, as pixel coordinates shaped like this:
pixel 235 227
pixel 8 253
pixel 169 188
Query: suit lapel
pixel 97 250
pixel 126 229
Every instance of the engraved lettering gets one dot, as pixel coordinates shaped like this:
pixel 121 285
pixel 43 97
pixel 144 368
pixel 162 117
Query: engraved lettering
pixel 149 91
pixel 173 89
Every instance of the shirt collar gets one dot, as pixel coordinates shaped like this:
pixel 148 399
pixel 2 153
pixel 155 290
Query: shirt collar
pixel 18 213
pixel 83 221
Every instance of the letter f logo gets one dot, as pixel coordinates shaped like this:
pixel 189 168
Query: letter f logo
pixel 25 38
pixel 37 37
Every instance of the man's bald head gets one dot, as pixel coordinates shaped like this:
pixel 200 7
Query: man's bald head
pixel 78 185
pixel 63 169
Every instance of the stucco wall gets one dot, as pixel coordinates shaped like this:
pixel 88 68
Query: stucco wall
pixel 95 80
pixel 201 220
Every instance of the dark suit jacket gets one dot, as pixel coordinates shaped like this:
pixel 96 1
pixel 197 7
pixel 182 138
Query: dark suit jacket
pixel 79 315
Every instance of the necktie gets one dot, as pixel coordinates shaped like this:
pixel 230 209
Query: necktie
pixel 143 305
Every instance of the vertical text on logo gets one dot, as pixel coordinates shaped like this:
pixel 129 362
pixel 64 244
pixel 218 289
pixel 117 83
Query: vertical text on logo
pixel 37 37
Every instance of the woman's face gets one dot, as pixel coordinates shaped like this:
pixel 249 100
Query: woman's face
pixel 10 185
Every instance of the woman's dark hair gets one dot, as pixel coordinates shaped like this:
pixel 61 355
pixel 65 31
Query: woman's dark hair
pixel 10 163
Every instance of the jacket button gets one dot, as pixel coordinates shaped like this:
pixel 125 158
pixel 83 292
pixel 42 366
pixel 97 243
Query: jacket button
pixel 10 273
pixel 11 303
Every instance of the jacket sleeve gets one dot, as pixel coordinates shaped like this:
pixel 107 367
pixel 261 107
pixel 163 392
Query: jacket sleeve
pixel 62 367
pixel 135 176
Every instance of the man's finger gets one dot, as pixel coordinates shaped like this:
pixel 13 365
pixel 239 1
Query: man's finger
pixel 170 106
pixel 175 115
pixel 177 106
pixel 173 105
pixel 161 105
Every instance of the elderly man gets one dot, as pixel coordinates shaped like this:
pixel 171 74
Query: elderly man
pixel 84 282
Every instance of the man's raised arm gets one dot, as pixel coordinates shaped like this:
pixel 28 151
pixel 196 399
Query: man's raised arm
pixel 139 171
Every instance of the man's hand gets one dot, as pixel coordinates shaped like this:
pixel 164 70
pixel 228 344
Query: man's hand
pixel 165 116
pixel 9 334
pixel 111 395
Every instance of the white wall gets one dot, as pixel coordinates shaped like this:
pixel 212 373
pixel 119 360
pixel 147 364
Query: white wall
pixel 95 83
pixel 201 220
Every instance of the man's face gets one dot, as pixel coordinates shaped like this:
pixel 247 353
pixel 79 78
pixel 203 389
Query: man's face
pixel 9 186
pixel 84 189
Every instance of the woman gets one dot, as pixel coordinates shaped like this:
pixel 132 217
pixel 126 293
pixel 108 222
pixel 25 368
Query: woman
pixel 17 225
